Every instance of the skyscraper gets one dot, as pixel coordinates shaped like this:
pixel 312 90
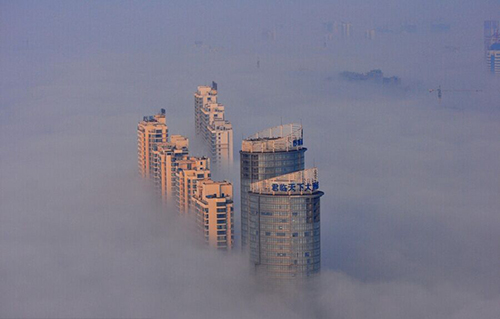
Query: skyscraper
pixel 150 131
pixel 164 164
pixel 213 206
pixel 189 171
pixel 204 95
pixel 212 127
pixel 269 153
pixel 284 225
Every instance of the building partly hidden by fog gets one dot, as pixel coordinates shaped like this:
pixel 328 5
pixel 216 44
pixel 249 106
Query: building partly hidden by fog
pixel 280 204
pixel 212 126
pixel 166 162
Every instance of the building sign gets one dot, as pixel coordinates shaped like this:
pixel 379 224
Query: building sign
pixel 295 187
pixel 298 142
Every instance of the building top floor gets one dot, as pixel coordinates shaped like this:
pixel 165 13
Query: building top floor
pixel 275 139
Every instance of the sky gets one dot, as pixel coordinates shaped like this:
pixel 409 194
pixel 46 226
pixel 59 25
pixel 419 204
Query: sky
pixel 410 217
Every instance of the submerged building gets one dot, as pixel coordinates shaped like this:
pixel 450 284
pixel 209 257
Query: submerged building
pixel 212 126
pixel 284 225
pixel 269 153
pixel 151 131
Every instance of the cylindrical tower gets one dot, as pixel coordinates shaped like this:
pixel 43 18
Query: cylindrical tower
pixel 272 152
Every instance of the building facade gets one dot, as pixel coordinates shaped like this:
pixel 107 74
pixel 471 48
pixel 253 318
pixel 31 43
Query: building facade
pixel 204 95
pixel 189 172
pixel 211 125
pixel 284 225
pixel 213 206
pixel 493 58
pixel 151 131
pixel 164 163
pixel 269 153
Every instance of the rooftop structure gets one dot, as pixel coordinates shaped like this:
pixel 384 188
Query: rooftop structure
pixel 281 138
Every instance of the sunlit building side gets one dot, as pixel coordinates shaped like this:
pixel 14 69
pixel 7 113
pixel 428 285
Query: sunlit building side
pixel 151 131
pixel 164 163
pixel 203 96
pixel 269 153
pixel 189 172
pixel 284 225
pixel 213 206
pixel 211 125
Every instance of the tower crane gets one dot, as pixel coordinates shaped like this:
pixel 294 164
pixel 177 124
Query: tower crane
pixel 440 91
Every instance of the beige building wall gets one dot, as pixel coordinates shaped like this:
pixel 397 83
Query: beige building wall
pixel 213 204
pixel 189 172
pixel 204 95
pixel 215 130
pixel 164 164
pixel 151 131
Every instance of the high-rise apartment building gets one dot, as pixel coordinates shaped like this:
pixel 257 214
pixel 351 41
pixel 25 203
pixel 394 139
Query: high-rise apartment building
pixel 151 131
pixel 189 171
pixel 269 153
pixel 164 164
pixel 493 58
pixel 204 95
pixel 284 225
pixel 213 206
pixel 212 127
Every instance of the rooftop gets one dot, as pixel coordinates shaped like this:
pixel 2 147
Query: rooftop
pixel 275 139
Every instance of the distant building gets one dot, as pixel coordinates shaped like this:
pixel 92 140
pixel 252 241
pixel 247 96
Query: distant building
pixel 189 171
pixel 212 126
pixel 269 153
pixel 213 207
pixel 491 33
pixel 151 131
pixel 370 34
pixel 375 76
pixel 284 225
pixel 493 58
pixel 164 164
pixel 346 29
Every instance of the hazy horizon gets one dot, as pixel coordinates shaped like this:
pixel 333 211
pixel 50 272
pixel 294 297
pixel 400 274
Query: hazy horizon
pixel 410 224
